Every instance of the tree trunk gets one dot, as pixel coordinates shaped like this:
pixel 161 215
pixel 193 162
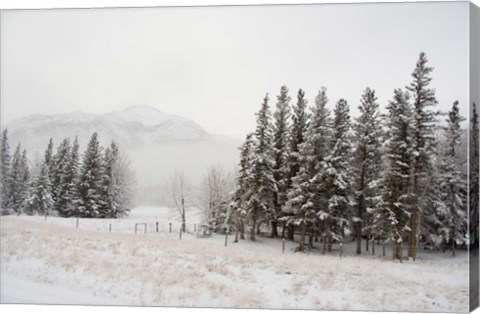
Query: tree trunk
pixel 290 231
pixel 242 230
pixel 184 223
pixel 366 243
pixel 373 248
pixel 301 244
pixel 252 231
pixel 358 229
pixel 274 233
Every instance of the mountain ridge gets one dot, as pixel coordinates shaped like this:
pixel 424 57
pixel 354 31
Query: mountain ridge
pixel 133 126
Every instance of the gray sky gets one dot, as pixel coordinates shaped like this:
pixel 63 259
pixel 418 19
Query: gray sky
pixel 214 65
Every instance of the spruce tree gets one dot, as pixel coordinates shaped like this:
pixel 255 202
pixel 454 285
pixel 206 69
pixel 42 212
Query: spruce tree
pixel 58 170
pixel 304 195
pixel 391 212
pixel 297 137
pixel 5 161
pixel 18 180
pixel 90 185
pixel 40 200
pixel 423 145
pixel 239 204
pixel 112 189
pixel 49 159
pixel 452 186
pixel 68 198
pixel 25 178
pixel 333 179
pixel 280 142
pixel 366 161
pixel 262 186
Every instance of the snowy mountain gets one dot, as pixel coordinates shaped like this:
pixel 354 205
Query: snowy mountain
pixel 157 143
pixel 133 127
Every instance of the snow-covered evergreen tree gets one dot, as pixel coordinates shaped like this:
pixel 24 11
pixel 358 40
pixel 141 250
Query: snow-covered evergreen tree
pixel 49 160
pixel 390 214
pixel 118 181
pixel 90 185
pixel 5 161
pixel 298 131
pixel 239 205
pixel 280 154
pixel 333 178
pixel 304 195
pixel 423 145
pixel 18 180
pixel 25 178
pixel 68 199
pixel 262 186
pixel 366 162
pixel 58 168
pixel 40 200
pixel 452 186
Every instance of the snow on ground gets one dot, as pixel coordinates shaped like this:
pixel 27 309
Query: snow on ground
pixel 54 262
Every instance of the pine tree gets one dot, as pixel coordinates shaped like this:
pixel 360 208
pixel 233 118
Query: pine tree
pixel 366 161
pixel 391 212
pixel 262 185
pixel 58 170
pixel 90 183
pixel 474 178
pixel 452 186
pixel 239 205
pixel 114 190
pixel 298 131
pixel 49 159
pixel 4 173
pixel 297 135
pixel 280 142
pixel 18 180
pixel 305 196
pixel 68 198
pixel 333 178
pixel 423 140
pixel 25 178
pixel 40 200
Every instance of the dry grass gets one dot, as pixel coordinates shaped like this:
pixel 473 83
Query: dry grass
pixel 160 270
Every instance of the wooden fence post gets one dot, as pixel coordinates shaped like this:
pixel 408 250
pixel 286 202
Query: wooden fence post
pixel 226 238
pixel 110 228
pixel 157 226
pixel 373 247
pixel 77 224
pixel 283 246
pixel 170 227
pixel 341 249
pixel 383 248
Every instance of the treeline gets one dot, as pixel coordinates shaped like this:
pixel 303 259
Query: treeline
pixel 100 185
pixel 397 177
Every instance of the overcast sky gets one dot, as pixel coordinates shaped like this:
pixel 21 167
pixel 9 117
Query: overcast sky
pixel 215 64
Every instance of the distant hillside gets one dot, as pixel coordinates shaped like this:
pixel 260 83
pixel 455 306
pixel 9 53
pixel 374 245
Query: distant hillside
pixel 133 127
pixel 157 143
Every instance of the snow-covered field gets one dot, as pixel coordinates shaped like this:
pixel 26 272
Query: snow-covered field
pixel 53 262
